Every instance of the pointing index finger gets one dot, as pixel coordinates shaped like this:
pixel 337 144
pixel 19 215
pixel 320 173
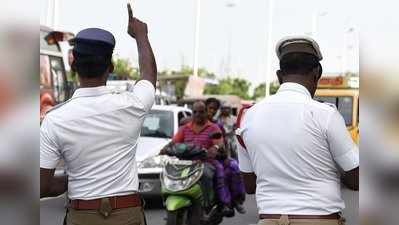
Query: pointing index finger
pixel 130 11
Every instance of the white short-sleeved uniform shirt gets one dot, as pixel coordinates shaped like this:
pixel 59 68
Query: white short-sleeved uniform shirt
pixel 96 134
pixel 296 146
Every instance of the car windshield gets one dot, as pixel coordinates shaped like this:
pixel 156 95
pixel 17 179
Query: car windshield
pixel 158 123
pixel 343 104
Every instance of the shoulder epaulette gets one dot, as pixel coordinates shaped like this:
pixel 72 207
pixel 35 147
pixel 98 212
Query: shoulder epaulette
pixel 239 130
pixel 57 106
pixel 331 105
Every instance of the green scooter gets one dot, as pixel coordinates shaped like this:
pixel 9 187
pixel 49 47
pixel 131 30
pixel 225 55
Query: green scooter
pixel 181 189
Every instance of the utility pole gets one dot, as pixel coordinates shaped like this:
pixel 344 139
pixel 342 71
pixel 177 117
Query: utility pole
pixel 52 17
pixel 49 15
pixel 269 48
pixel 345 50
pixel 56 17
pixel 230 4
pixel 197 32
pixel 315 19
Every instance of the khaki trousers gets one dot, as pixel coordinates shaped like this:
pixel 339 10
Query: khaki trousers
pixel 127 216
pixel 284 220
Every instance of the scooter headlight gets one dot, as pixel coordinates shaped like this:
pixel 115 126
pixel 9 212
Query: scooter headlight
pixel 157 161
pixel 176 185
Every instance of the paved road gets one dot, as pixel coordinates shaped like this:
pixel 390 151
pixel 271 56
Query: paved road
pixel 52 212
pixel 155 214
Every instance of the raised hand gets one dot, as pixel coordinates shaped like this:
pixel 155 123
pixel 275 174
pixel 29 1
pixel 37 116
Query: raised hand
pixel 138 30
pixel 135 28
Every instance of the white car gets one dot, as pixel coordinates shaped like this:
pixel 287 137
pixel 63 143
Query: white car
pixel 158 129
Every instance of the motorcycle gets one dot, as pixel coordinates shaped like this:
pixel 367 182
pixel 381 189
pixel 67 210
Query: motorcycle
pixel 181 190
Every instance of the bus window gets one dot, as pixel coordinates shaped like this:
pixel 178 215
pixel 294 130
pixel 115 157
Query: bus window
pixel 45 46
pixel 45 78
pixel 358 111
pixel 344 105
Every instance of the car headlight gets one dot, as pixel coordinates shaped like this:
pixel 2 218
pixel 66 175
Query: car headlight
pixel 157 161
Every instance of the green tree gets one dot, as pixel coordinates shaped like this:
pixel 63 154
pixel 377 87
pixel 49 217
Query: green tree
pixel 123 70
pixel 260 90
pixel 230 86
pixel 188 71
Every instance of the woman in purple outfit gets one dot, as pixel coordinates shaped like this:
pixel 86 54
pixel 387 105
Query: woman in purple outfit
pixel 232 173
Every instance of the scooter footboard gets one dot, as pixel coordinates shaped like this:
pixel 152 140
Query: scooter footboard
pixel 174 202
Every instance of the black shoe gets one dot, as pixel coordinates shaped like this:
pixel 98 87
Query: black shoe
pixel 227 211
pixel 240 208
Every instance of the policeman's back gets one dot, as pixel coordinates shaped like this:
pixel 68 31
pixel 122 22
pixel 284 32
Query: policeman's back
pixel 95 133
pixel 290 150
pixel 296 147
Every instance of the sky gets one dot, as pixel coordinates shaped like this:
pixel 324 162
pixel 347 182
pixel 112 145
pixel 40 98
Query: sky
pixel 233 40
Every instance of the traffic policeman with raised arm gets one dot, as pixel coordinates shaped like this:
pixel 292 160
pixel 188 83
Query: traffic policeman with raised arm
pixel 95 133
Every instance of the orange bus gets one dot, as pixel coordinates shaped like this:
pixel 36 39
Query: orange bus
pixel 54 87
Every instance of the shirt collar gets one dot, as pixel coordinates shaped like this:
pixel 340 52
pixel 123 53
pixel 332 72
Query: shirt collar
pixel 90 92
pixel 294 87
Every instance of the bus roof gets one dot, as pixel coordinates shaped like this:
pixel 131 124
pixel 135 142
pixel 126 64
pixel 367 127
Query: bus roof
pixel 339 82
pixel 337 92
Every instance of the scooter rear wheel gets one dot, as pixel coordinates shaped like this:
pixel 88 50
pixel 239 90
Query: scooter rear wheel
pixel 178 217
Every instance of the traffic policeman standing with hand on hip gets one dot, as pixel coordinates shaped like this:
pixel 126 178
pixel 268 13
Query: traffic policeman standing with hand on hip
pixel 297 150
pixel 96 132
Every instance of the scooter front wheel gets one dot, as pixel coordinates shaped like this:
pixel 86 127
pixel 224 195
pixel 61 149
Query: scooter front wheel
pixel 177 217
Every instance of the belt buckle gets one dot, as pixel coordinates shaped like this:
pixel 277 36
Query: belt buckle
pixel 341 219
pixel 105 207
pixel 284 220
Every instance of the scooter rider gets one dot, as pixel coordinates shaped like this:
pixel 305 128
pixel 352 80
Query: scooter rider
pixel 197 132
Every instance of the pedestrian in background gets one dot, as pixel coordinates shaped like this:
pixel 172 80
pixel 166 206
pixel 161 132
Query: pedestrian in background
pixel 229 125
pixel 95 133
pixel 296 150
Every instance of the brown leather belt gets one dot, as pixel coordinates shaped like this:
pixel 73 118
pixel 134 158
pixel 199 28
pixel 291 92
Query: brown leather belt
pixel 334 216
pixel 117 202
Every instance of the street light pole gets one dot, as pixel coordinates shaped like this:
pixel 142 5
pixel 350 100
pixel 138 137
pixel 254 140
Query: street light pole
pixel 344 50
pixel 269 49
pixel 344 58
pixel 49 16
pixel 315 18
pixel 55 19
pixel 314 24
pixel 230 4
pixel 196 44
pixel 52 17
